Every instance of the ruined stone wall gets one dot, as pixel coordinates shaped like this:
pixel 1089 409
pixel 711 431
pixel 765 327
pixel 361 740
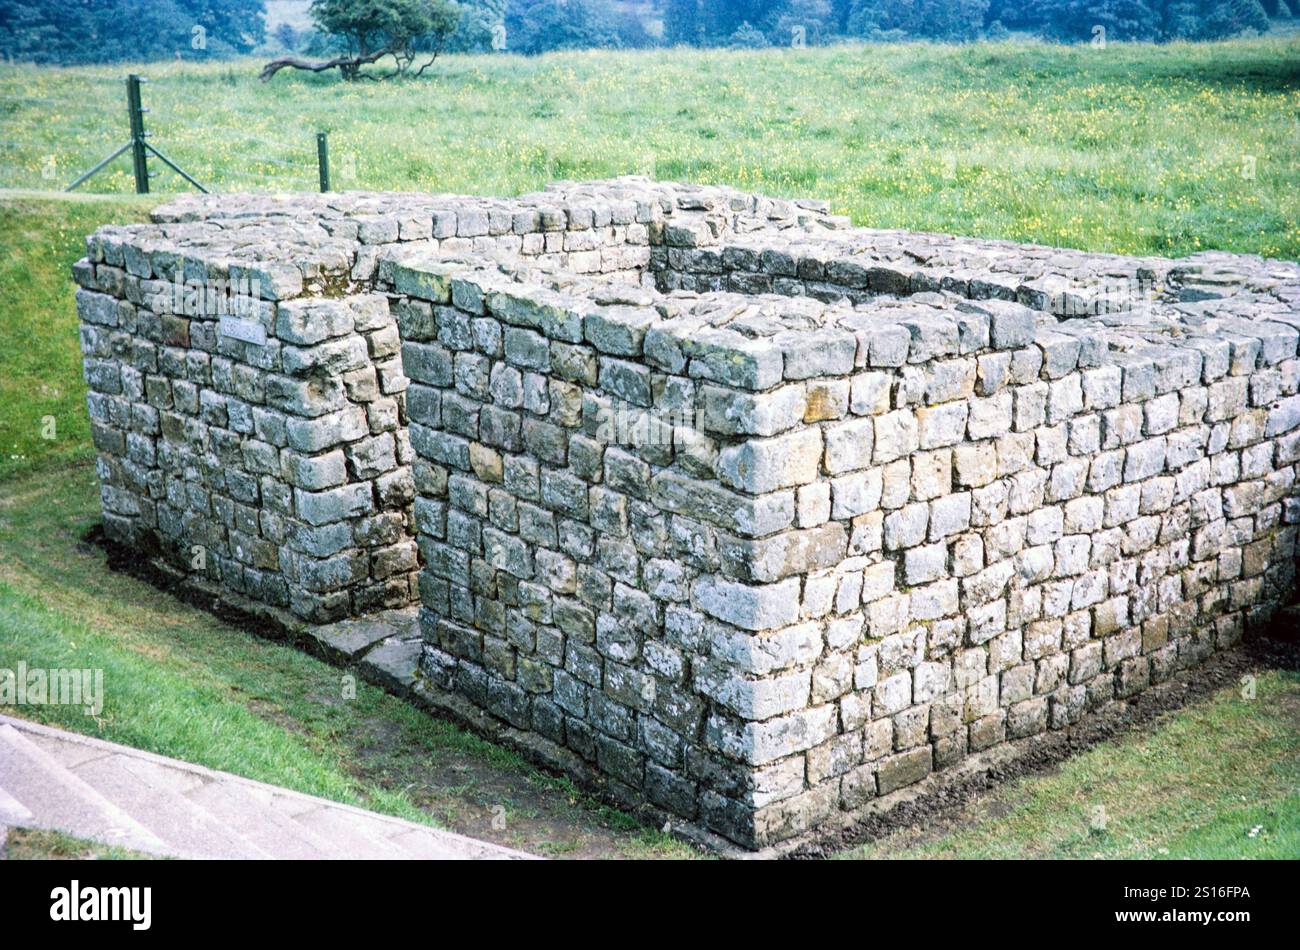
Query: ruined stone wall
pixel 761 516
pixel 279 470
pixel 248 404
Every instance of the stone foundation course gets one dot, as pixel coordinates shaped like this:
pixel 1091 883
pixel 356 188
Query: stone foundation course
pixel 758 515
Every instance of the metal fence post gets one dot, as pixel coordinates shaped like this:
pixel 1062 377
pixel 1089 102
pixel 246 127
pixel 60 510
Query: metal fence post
pixel 139 157
pixel 138 145
pixel 323 159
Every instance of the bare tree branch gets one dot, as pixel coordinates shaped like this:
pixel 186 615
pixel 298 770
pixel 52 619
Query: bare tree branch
pixel 347 64
pixel 421 70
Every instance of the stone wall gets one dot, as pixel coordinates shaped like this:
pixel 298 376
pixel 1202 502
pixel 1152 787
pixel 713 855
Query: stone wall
pixel 248 404
pixel 761 515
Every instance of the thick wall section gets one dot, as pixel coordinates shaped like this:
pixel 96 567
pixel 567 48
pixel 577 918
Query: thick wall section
pixel 259 444
pixel 247 396
pixel 761 516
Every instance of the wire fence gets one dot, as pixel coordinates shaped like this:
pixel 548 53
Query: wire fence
pixel 141 149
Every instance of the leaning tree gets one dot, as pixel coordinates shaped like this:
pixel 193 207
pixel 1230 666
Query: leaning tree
pixel 372 30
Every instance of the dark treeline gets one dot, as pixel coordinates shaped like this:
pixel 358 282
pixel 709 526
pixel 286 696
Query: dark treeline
pixel 91 31
pixel 67 32
pixel 761 22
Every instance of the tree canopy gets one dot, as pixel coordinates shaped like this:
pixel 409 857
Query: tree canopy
pixel 372 30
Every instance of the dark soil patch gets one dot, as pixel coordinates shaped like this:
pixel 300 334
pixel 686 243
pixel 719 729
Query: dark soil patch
pixel 143 566
pixel 475 797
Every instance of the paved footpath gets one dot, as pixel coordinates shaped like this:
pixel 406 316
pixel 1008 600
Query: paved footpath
pixel 116 795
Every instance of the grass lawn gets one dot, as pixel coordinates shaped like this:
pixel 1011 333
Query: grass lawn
pixel 43 417
pixel 1134 148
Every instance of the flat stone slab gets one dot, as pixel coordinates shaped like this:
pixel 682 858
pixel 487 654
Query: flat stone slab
pixel 395 662
pixel 351 639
